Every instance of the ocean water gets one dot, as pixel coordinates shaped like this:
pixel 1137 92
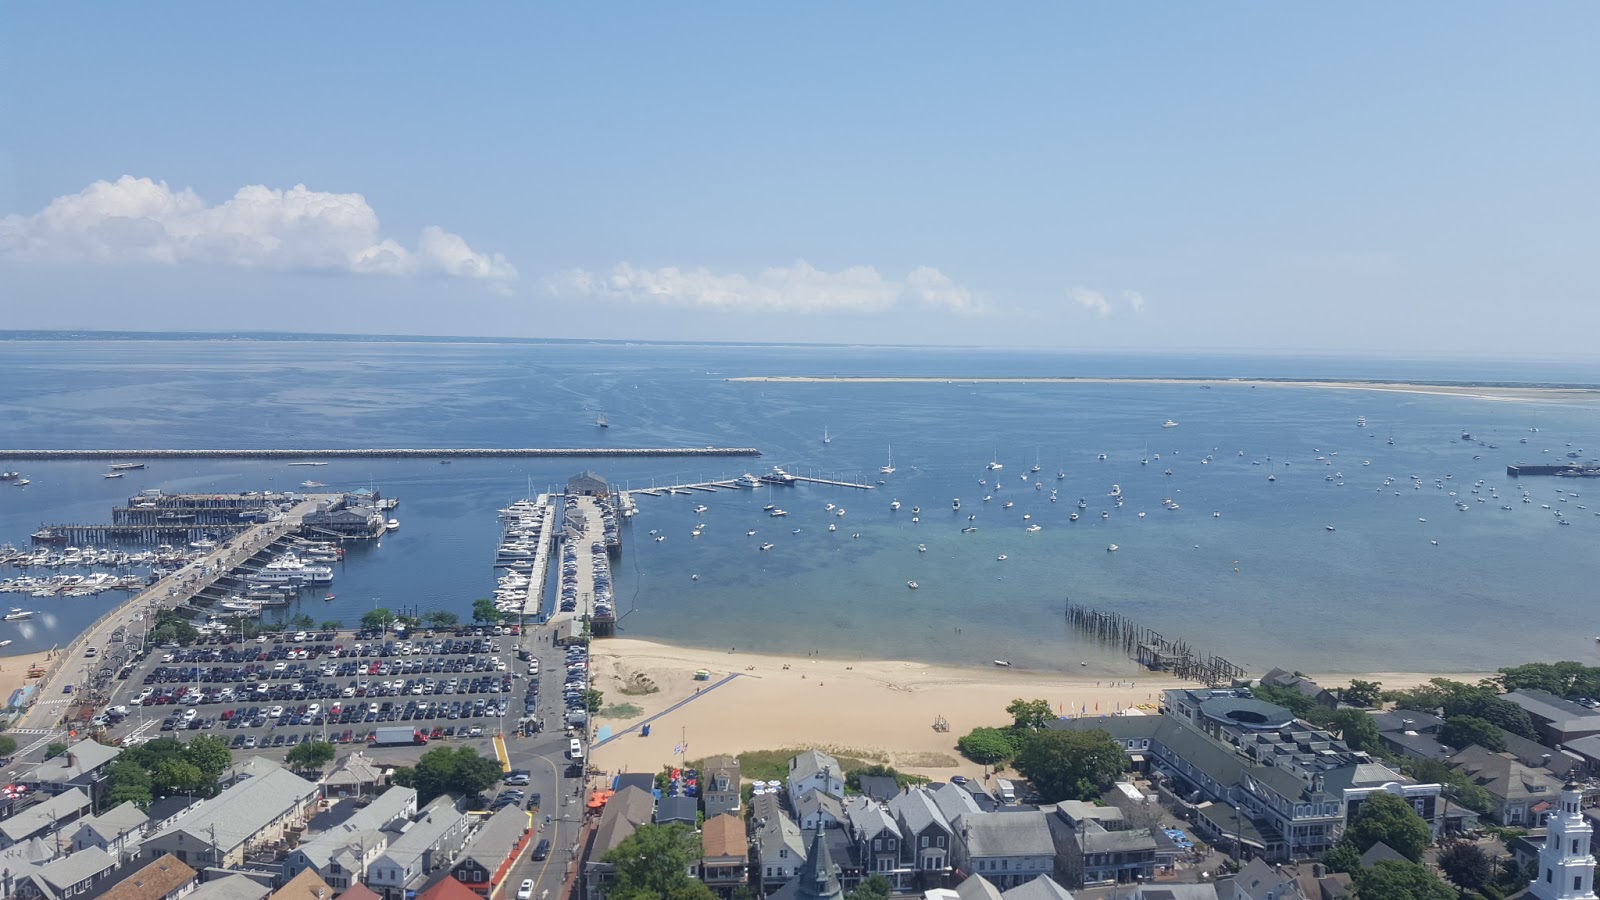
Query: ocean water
pixel 1263 584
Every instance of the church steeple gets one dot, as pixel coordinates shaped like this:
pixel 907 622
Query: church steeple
pixel 1566 870
pixel 819 877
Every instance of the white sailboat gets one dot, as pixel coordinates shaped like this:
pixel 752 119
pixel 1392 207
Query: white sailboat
pixel 889 468
pixel 825 438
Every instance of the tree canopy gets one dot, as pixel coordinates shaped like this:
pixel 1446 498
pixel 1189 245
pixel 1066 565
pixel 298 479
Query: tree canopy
pixel 169 626
pixel 988 746
pixel 485 611
pixel 1455 698
pixel 1460 732
pixel 443 770
pixel 1391 879
pixel 1070 765
pixel 1564 679
pixel 1362 693
pixel 1030 714
pixel 440 618
pixel 377 619
pixel 165 767
pixel 1356 728
pixel 310 756
pixel 1466 864
pixel 876 887
pixel 1390 819
pixel 654 862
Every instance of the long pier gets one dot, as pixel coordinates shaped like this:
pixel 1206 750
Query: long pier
pixel 835 483
pixel 381 453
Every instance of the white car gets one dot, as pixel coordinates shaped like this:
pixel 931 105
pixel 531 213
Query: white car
pixel 314 709
pixel 189 714
pixel 276 711
pixel 525 892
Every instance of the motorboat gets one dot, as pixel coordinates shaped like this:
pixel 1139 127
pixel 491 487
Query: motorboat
pixel 1112 548
pixel 18 613
pixel 894 504
pixel 1033 528
pixel 775 512
pixel 1006 663
pixel 912 585
pixel 956 503
pixel 1169 424
pixel 125 467
pixel 922 548
pixel 392 524
pixel 112 475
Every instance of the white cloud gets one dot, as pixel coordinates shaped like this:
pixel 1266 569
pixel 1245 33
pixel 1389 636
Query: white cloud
pixel 137 220
pixel 1093 301
pixel 798 288
pixel 1135 301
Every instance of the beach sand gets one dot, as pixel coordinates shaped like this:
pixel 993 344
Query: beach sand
pixel 879 709
pixel 1506 392
pixel 14 670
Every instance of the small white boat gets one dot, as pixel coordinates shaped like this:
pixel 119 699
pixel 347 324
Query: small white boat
pixel 1329 527
pixel 1112 549
pixel 912 585
pixel 112 475
pixel 1032 528
pixel 1169 424
pixel 701 508
pixel 832 527
pixel 922 548
pixel 18 612
pixel 5 643
pixel 393 524
pixel 1001 557
pixel 888 469
pixel 956 503
pixel 767 546
pixel 1006 663
pixel 894 504
pixel 750 533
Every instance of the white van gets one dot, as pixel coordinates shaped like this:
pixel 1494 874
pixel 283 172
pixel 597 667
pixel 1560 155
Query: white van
pixel 1007 790
pixel 574 749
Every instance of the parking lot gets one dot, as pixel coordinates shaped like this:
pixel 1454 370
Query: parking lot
pixel 279 691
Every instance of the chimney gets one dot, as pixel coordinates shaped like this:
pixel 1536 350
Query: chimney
pixel 68 758
pixel 1319 871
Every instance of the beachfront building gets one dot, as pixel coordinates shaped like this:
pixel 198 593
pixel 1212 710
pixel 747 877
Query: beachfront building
pixel 489 853
pixel 1093 846
pixel 255 811
pixel 1280 678
pixel 627 809
pixel 818 809
pixel 1558 721
pixel 813 770
pixel 719 786
pixel 1007 848
pixel 818 878
pixel 927 840
pixel 724 854
pixel 779 846
pixel 115 830
pixel 877 838
pixel 421 847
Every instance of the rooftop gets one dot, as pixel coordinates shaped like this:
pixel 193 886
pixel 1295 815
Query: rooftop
pixel 153 882
pixel 44 815
pixel 1007 834
pixel 238 813
pixel 723 836
pixel 1563 715
pixel 117 821
pixel 498 836
pixel 81 759
pixel 624 813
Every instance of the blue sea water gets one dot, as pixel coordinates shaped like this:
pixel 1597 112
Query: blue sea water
pixel 1264 584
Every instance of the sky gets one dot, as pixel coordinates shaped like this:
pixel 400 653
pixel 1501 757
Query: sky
pixel 1397 179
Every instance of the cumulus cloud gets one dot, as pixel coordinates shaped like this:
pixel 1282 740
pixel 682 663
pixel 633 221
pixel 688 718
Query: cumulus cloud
pixel 1135 301
pixel 137 220
pixel 800 288
pixel 1093 301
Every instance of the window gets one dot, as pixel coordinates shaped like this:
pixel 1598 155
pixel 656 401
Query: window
pixel 783 854
pixel 941 840
pixel 877 844
pixel 1574 846
pixel 1548 877
pixel 924 842
pixel 1577 882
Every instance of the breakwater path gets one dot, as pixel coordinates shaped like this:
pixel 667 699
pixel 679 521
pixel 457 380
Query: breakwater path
pixel 381 453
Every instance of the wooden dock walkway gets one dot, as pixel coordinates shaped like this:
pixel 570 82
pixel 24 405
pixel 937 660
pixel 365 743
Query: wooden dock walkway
pixel 380 453
pixel 834 482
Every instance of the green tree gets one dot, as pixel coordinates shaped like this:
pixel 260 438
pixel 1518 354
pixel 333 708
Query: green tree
pixel 1390 819
pixel 462 770
pixel 1070 765
pixel 654 862
pixel 1460 732
pixel 332 625
pixel 1457 787
pixel 310 756
pixel 1362 693
pixel 128 781
pixel 54 750
pixel 485 611
pixel 1030 714
pixel 1391 879
pixel 1564 679
pixel 1466 864
pixel 875 887
pixel 441 618
pixel 302 622
pixel 1356 728
pixel 475 773
pixel 376 619
pixel 988 746
pixel 593 699
pixel 8 745
pixel 176 776
pixel 171 627
pixel 1501 713
pixel 1342 858
pixel 208 754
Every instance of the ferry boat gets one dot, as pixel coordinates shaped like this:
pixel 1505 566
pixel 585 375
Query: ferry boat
pixel 17 613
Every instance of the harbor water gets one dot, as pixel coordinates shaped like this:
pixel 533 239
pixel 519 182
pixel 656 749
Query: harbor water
pixel 1324 568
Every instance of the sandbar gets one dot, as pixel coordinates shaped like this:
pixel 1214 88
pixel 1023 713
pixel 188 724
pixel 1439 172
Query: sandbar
pixel 1499 392
pixel 875 709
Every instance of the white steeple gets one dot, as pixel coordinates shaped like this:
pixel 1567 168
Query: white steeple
pixel 1566 870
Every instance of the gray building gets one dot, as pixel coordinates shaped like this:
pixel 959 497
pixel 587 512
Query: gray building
pixel 48 817
pixel 255 811
pixel 720 782
pixel 342 854
pixel 627 809
pixel 419 848
pixel 1093 846
pixel 780 849
pixel 1558 721
pixel 1007 848
pixel 84 872
pixel 116 830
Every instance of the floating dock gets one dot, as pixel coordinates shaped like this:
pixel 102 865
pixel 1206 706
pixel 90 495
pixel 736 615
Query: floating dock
pixel 381 453
pixel 1564 470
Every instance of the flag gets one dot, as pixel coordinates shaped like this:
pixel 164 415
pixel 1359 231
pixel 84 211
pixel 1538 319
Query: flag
pixel 677 748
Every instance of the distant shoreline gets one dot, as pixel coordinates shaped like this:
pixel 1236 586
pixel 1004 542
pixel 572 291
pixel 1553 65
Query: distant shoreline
pixel 1476 391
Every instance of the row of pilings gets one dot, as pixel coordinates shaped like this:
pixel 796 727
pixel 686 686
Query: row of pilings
pixel 1150 648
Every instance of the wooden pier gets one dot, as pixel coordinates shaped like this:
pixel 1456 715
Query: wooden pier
pixel 380 453
pixel 1150 648
pixel 151 533
pixel 831 482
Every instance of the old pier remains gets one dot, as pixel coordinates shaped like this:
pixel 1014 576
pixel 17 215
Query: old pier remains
pixel 1150 648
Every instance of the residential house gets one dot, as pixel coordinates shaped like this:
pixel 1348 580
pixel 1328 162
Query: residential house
pixel 19 859
pixel 1279 678
pixel 879 787
pixel 48 817
pixel 1042 888
pixel 167 810
pixel 84 766
pixel 1260 880
pixel 1523 796
pixel 724 854
pixel 1408 732
pixel 164 878
pixel 1007 848
pixel 813 770
pixel 115 830
pixel 342 854
pixel 448 888
pixel 927 840
pixel 627 809
pixel 489 853
pixel 419 848
pixel 720 782
pixel 1558 721
pixel 360 892
pixel 1093 847
pixel 877 839
pixel 953 800
pixel 231 887
pixel 84 872
pixel 818 878
pixel 304 886
pixel 682 810
pixel 818 809
pixel 779 846
pixel 255 811
pixel 1174 892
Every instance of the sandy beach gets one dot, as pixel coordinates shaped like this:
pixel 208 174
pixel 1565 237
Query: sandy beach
pixel 1471 391
pixel 878 709
pixel 14 670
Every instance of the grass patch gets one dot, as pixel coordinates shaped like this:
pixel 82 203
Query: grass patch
pixel 620 711
pixel 926 760
pixel 767 765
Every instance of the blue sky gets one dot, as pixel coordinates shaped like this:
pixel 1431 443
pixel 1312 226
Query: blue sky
pixel 1411 180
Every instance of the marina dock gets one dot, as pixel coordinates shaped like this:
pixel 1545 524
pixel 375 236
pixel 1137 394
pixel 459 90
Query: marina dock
pixel 380 453
pixel 832 482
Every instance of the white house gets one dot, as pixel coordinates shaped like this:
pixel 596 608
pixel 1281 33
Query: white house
pixel 814 770
pixel 427 844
